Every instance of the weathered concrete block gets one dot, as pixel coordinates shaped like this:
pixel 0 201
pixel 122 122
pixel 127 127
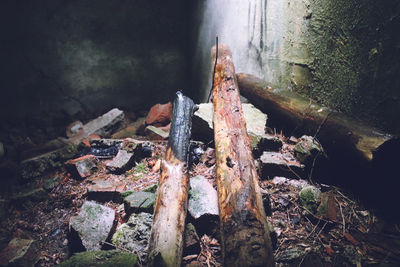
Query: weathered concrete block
pixel 121 162
pixel 203 205
pixel 203 198
pixel 134 234
pixel 203 121
pixel 104 190
pixel 139 202
pixel 154 133
pixel 37 166
pixel 92 226
pixel 277 164
pixel 84 166
pixel 104 125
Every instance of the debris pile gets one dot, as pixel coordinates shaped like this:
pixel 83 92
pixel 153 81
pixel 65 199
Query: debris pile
pixel 94 196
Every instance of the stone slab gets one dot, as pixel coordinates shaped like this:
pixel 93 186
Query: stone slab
pixel 92 226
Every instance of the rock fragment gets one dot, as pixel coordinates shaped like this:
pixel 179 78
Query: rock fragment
pixel 121 162
pixel 310 198
pixel 104 125
pixel 154 133
pixel 104 190
pixel 83 167
pixel 134 234
pixel 20 252
pixel 159 115
pixel 203 205
pixel 139 202
pixel 203 121
pixel 74 129
pixel 92 226
pixel 307 149
pixel 37 166
pixel 278 164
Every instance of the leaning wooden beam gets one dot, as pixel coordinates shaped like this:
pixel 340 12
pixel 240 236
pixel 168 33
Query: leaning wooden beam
pixel 338 134
pixel 245 235
pixel 166 240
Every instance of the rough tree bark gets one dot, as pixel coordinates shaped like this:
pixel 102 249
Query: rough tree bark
pixel 337 133
pixel 166 240
pixel 245 235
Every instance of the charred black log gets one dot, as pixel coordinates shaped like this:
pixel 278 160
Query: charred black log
pixel 166 240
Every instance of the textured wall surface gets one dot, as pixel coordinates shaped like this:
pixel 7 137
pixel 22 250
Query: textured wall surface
pixel 343 53
pixel 81 58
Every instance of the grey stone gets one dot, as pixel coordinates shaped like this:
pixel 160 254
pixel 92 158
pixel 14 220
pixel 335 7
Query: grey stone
pixel 121 162
pixel 37 166
pixel 20 252
pixel 203 198
pixel 203 206
pixel 256 120
pixel 264 142
pixel 104 125
pixel 139 202
pixel 307 149
pixel 191 240
pixel 83 167
pixel 101 258
pixel 278 164
pixel 154 133
pixel 291 182
pixel 203 120
pixel 310 197
pixel 134 234
pixel 105 190
pixel 92 226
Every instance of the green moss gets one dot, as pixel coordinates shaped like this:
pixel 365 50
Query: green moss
pixel 93 212
pixel 126 193
pixel 310 197
pixel 108 258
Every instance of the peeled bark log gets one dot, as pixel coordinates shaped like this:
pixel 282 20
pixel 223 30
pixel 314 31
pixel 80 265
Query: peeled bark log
pixel 338 134
pixel 166 240
pixel 245 235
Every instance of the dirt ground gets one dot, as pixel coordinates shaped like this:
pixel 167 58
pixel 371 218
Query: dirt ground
pixel 349 236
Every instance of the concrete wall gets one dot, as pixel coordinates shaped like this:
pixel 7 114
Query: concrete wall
pixel 343 53
pixel 81 58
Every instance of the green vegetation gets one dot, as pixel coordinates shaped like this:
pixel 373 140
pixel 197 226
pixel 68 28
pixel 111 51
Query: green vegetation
pixel 138 171
pixel 102 258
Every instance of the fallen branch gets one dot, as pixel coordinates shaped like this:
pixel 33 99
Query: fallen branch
pixel 245 235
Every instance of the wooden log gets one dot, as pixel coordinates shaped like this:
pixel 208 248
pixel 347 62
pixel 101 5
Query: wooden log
pixel 166 240
pixel 340 135
pixel 245 235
